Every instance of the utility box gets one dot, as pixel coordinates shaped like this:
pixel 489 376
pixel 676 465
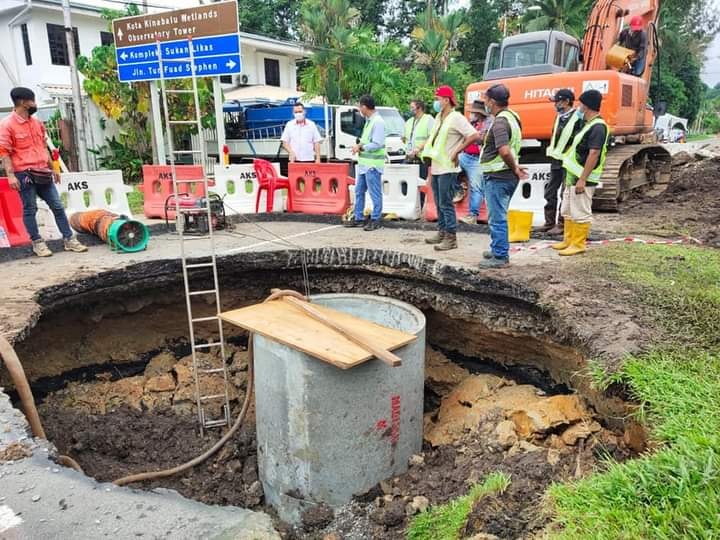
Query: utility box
pixel 325 434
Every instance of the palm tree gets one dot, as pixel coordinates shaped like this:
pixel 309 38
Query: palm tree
pixel 436 40
pixel 565 15
pixel 328 25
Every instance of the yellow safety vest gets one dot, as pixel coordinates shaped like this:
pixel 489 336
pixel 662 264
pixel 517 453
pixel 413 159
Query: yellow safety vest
pixel 371 158
pixel 557 151
pixel 421 133
pixel 435 148
pixel 570 161
pixel 497 164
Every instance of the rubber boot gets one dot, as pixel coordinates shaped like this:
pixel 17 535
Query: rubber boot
pixel 567 232
pixel 437 239
pixel 581 231
pixel 549 220
pixel 449 242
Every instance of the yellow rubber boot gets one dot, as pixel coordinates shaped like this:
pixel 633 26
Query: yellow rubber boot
pixel 567 232
pixel 519 225
pixel 577 240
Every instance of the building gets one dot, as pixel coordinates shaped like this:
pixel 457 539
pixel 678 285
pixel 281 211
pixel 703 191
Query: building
pixel 33 49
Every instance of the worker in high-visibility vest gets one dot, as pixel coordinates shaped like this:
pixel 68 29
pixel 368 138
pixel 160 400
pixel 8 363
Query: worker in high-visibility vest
pixel 417 132
pixel 501 168
pixel 451 134
pixel 370 151
pixel 584 163
pixel 565 128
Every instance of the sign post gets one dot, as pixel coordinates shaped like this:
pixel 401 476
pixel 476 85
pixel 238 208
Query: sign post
pixel 212 31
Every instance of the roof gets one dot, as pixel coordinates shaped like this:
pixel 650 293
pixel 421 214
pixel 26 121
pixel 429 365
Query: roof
pixel 269 44
pixel 55 5
pixel 271 93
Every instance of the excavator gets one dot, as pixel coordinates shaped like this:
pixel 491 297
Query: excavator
pixel 534 65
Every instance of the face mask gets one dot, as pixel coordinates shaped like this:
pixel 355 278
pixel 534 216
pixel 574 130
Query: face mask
pixel 488 109
pixel 580 114
pixel 436 106
pixel 559 108
pixel 299 116
pixel 32 110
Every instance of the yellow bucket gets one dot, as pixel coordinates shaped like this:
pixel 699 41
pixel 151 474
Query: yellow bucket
pixel 519 225
pixel 618 57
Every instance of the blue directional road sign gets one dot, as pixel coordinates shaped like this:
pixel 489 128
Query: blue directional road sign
pixel 213 56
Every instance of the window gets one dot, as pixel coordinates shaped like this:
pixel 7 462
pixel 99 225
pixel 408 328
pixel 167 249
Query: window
pixel 394 123
pixel 352 122
pixel 106 39
pixel 272 72
pixel 226 79
pixel 58 45
pixel 26 44
pixel 525 54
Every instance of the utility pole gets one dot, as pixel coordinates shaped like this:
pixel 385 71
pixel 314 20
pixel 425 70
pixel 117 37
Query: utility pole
pixel 77 95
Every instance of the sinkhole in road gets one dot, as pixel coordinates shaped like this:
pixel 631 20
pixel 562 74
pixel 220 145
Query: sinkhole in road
pixel 111 371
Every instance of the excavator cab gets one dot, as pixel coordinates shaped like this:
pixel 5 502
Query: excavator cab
pixel 532 53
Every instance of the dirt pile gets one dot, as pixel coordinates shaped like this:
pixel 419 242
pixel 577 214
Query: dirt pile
pixel 483 424
pixel 475 424
pixel 690 205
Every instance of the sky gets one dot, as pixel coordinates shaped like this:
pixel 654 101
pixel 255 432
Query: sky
pixel 710 73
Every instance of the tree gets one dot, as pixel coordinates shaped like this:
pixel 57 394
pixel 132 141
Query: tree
pixel 566 15
pixel 436 39
pixel 274 18
pixel 328 25
pixel 484 30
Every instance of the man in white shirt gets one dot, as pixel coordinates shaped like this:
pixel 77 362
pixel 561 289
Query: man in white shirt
pixel 301 138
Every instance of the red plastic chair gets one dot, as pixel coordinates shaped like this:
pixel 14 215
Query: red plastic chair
pixel 268 180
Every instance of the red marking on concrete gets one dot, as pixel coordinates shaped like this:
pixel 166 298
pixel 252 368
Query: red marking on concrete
pixel 381 424
pixel 395 419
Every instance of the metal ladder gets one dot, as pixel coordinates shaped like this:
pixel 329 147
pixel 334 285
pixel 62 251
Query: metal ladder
pixel 207 261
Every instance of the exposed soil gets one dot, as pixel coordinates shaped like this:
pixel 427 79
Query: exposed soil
pixel 479 423
pixel 690 205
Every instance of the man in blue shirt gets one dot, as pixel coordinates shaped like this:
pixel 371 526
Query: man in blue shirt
pixel 371 161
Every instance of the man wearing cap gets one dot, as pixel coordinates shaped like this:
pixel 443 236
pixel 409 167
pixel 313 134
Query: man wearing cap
pixel 451 134
pixel 635 39
pixel 565 128
pixel 584 163
pixel 417 131
pixel 470 162
pixel 28 166
pixel 500 165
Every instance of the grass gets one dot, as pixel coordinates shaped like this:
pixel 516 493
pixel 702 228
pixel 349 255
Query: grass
pixel 135 200
pixel 699 137
pixel 673 492
pixel 445 522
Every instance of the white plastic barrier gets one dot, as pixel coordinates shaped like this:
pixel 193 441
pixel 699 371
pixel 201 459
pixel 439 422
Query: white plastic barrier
pixel 238 186
pixel 401 193
pixel 81 191
pixel 530 194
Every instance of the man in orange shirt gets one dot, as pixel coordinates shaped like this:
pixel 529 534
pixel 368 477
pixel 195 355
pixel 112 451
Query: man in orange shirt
pixel 28 167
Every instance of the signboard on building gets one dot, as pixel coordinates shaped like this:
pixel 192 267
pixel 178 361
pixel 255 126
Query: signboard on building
pixel 212 31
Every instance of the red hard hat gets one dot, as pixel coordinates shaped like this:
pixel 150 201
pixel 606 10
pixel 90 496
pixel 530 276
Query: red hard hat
pixel 637 23
pixel 446 92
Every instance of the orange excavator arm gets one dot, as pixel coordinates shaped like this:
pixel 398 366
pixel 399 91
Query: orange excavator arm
pixel 605 22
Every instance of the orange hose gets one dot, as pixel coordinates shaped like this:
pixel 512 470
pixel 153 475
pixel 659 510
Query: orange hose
pixel 95 222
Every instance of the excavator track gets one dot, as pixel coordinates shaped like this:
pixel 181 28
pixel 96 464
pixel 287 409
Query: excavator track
pixel 631 167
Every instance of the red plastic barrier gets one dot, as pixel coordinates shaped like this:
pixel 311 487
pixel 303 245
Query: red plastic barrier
pixel 462 208
pixel 320 188
pixel 158 186
pixel 11 211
